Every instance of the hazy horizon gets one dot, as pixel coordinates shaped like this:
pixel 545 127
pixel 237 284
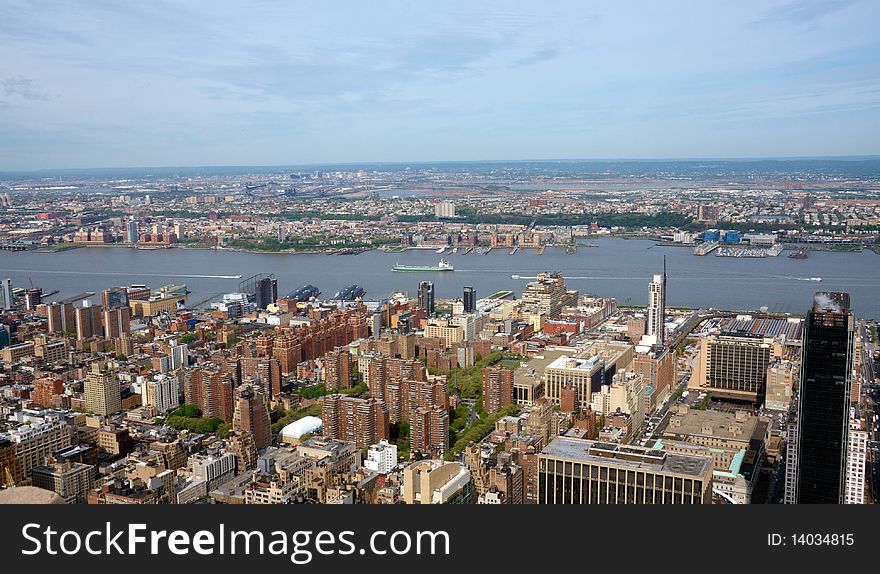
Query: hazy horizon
pixel 453 162
pixel 109 85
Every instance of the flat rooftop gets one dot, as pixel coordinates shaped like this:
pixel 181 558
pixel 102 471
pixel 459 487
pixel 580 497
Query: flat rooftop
pixel 537 364
pixel 627 457
pixel 713 423
pixel 768 327
pixel 574 363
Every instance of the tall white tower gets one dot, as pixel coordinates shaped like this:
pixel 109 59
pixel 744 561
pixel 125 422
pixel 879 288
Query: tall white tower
pixel 655 327
pixel 131 231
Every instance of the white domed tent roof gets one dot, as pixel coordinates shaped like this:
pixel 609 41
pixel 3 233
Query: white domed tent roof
pixel 301 427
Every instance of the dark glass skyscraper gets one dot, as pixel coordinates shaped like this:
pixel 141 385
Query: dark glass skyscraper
pixel 266 291
pixel 823 406
pixel 470 299
pixel 114 298
pixel 426 296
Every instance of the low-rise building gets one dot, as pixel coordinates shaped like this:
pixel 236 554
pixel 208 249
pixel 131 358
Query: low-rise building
pixel 434 481
pixel 577 471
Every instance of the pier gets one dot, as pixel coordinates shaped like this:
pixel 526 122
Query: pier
pixel 79 297
pixel 706 248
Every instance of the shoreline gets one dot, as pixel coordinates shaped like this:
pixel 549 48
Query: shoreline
pixel 858 248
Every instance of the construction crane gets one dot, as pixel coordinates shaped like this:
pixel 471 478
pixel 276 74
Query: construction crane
pixel 7 477
pixel 42 295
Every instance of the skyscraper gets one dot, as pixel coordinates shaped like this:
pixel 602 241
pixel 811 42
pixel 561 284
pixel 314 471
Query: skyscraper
pixel 32 298
pixel 823 406
pixel 131 231
pixel 470 299
pixel 444 209
pixel 61 317
pixel 162 393
pixel 364 421
pixel 102 391
pixel 497 388
pixel 117 322
pixel 6 298
pixel 547 295
pixel 426 296
pixel 179 356
pixel 337 369
pixel 210 388
pixel 733 366
pixel 429 430
pixel 657 308
pixel 856 458
pixel 88 321
pixel 114 297
pixel 252 415
pixel 263 372
pixel 266 290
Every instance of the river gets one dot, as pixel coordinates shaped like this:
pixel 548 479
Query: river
pixel 615 268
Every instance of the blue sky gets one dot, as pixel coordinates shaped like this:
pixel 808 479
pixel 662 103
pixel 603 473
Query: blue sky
pixel 105 83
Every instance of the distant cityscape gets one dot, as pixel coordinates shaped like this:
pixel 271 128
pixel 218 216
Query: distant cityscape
pixel 747 208
pixel 144 394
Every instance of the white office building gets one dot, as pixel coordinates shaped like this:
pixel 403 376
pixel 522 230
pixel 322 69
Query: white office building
pixel 856 456
pixel 179 357
pixel 655 329
pixel 382 457
pixel 162 393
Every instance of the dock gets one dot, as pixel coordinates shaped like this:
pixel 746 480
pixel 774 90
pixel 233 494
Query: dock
pixel 706 248
pixel 79 297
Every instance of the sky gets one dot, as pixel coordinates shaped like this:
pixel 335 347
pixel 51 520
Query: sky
pixel 107 83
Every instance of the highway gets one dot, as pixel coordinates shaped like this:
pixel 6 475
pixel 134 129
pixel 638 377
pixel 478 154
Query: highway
pixel 659 418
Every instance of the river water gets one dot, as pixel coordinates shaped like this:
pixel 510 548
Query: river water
pixel 615 268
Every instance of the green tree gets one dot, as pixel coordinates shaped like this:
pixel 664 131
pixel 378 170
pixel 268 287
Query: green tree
pixel 312 392
pixel 186 410
pixel 479 430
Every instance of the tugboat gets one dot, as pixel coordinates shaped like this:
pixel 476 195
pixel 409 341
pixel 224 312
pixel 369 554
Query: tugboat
pixel 798 255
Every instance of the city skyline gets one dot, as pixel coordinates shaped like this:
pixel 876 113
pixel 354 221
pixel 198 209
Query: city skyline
pixel 328 289
pixel 122 169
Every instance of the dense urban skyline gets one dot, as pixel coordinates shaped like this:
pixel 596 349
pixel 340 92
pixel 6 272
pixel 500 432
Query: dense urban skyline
pixel 465 330
pixel 344 299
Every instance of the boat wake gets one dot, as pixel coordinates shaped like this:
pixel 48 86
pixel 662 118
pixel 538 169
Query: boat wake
pixel 579 277
pixel 813 279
